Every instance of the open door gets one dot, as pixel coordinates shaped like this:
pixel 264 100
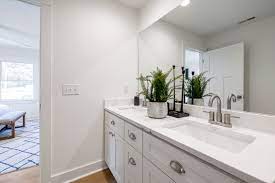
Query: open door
pixel 226 67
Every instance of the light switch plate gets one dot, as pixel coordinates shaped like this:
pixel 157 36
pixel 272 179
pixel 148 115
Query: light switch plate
pixel 70 89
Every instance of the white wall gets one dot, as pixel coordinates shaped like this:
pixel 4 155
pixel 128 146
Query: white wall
pixel 154 10
pixel 24 55
pixel 162 45
pixel 95 45
pixel 259 39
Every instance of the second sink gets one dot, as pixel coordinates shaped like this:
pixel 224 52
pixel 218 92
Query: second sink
pixel 225 139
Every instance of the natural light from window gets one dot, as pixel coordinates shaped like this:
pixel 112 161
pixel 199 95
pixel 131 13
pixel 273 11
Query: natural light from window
pixel 192 61
pixel 16 81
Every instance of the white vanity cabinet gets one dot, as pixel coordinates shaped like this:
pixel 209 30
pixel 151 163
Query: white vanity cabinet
pixel 133 165
pixel 123 146
pixel 181 166
pixel 135 156
pixel 114 153
pixel 109 148
pixel 151 174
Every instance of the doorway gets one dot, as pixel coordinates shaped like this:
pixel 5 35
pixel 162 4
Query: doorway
pixel 19 86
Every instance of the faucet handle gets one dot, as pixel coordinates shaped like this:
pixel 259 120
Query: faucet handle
pixel 236 117
pixel 211 115
pixel 227 119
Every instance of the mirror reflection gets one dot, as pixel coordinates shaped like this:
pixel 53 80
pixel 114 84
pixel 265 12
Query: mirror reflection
pixel 227 48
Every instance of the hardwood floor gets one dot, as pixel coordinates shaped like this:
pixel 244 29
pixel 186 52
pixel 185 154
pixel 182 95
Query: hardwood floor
pixel 29 175
pixel 32 175
pixel 104 176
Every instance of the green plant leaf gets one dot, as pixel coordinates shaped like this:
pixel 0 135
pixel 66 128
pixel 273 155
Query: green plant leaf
pixel 156 86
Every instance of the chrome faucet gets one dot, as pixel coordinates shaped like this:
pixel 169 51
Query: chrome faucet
pixel 219 117
pixel 231 98
pixel 219 107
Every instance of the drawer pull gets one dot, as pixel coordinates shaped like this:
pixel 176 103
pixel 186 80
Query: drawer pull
pixel 132 161
pixel 110 133
pixel 177 167
pixel 113 122
pixel 132 136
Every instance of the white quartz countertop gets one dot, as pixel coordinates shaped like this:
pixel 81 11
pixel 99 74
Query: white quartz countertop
pixel 254 164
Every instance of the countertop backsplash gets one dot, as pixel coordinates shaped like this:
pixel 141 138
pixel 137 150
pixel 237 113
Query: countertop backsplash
pixel 260 122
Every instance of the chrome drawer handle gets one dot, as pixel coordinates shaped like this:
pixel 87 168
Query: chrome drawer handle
pixel 113 122
pixel 177 167
pixel 132 161
pixel 132 136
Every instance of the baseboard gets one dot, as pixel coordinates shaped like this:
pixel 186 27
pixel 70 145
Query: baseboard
pixel 79 172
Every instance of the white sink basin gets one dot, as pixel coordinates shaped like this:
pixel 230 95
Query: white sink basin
pixel 222 138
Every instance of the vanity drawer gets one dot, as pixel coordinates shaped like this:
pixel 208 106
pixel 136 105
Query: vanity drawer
pixel 133 136
pixel 151 174
pixel 115 123
pixel 179 165
pixel 133 165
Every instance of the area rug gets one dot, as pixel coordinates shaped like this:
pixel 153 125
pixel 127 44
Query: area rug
pixel 22 151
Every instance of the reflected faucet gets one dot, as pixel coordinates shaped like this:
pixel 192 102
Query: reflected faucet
pixel 231 98
pixel 219 106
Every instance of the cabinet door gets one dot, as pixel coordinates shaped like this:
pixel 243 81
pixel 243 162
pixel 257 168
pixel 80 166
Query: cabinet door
pixel 133 165
pixel 152 174
pixel 110 148
pixel 107 144
pixel 119 159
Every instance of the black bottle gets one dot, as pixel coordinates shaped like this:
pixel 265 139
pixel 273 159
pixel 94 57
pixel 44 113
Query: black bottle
pixel 136 100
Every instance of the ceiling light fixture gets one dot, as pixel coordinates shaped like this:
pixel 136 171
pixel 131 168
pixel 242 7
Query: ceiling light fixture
pixel 185 3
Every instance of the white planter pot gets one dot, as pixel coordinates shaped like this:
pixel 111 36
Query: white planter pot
pixel 199 102
pixel 157 110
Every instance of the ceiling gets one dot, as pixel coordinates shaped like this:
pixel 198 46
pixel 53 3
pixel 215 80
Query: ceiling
pixel 206 17
pixel 19 24
pixel 134 3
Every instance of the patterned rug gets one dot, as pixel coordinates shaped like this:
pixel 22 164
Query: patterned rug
pixel 22 151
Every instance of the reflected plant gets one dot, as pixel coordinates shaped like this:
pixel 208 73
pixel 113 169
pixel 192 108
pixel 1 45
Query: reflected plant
pixel 198 84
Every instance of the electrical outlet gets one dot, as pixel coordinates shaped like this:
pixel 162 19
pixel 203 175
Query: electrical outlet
pixel 70 89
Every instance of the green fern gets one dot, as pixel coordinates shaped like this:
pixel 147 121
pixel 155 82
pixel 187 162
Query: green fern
pixel 155 86
pixel 198 84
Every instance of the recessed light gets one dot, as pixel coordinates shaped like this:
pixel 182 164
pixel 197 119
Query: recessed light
pixel 185 3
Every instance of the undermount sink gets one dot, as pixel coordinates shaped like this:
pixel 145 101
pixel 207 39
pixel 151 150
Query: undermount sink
pixel 225 139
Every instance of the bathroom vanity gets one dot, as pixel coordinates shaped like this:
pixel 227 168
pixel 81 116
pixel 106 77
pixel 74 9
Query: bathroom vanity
pixel 139 149
pixel 232 46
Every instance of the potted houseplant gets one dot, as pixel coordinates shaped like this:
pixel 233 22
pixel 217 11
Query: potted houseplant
pixel 156 89
pixel 195 89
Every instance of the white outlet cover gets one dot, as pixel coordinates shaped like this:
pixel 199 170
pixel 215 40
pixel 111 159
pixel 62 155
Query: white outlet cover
pixel 70 89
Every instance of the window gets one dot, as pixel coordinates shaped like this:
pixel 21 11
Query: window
pixel 16 81
pixel 192 61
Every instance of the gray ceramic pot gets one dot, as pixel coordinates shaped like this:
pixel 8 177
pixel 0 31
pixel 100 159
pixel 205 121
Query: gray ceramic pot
pixel 157 110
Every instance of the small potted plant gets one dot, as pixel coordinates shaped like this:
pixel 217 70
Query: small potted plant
pixel 156 89
pixel 195 89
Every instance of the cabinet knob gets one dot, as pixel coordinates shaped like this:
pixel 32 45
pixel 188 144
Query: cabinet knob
pixel 132 136
pixel 113 122
pixel 177 167
pixel 132 161
pixel 110 133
